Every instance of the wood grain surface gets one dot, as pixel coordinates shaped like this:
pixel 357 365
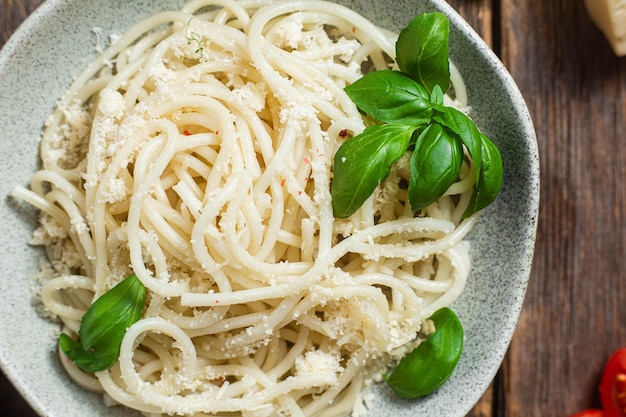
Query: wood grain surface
pixel 575 310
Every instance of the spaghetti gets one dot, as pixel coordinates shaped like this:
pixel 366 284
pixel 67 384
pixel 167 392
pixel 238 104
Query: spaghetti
pixel 196 152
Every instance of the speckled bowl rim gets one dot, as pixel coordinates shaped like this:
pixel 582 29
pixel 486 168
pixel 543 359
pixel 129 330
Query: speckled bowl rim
pixel 36 65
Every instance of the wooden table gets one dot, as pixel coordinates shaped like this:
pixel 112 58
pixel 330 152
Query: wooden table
pixel 574 314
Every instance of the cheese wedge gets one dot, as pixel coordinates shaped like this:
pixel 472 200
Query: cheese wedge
pixel 610 17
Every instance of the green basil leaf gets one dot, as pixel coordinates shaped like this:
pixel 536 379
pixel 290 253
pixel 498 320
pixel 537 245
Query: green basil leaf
pixel 436 96
pixel 434 360
pixel 491 169
pixel 104 324
pixel 89 360
pixel 422 50
pixel 435 166
pixel 391 97
pixel 464 127
pixel 363 161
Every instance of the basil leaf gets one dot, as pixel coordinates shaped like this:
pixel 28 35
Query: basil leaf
pixel 429 365
pixel 435 166
pixel 103 326
pixel 363 161
pixel 488 187
pixel 391 97
pixel 89 360
pixel 436 97
pixel 422 50
pixel 464 127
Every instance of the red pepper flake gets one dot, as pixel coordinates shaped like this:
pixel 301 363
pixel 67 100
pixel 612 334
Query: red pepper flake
pixel 299 192
pixel 217 301
pixel 343 134
pixel 306 161
pixel 283 182
pixel 217 132
pixel 306 179
pixel 187 133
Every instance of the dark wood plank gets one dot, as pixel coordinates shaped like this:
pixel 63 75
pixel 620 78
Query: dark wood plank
pixel 12 13
pixel 574 310
pixel 479 14
pixel 11 402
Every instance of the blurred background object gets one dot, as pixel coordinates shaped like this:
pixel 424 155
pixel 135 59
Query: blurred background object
pixel 610 17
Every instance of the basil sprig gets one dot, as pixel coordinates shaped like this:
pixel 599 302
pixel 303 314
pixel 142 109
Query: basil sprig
pixel 408 106
pixel 103 326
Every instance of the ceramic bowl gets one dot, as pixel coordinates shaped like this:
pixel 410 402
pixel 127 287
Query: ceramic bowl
pixel 59 39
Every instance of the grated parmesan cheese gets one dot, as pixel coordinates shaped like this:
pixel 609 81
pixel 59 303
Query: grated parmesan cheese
pixel 318 362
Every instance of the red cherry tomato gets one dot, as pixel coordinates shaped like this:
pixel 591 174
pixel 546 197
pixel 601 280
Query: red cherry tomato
pixel 613 385
pixel 589 413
